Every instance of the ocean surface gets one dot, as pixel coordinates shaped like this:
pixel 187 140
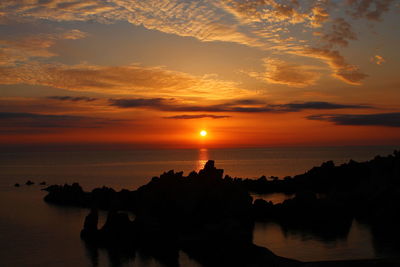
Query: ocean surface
pixel 34 233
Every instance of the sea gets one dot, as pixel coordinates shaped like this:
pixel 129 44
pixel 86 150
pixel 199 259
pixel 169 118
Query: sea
pixel 35 233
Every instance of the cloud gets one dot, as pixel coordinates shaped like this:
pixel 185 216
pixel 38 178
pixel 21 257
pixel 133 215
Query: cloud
pixel 163 104
pixel 319 105
pixel 379 119
pixel 133 79
pixel 281 72
pixel 236 21
pixel 265 10
pixel 319 13
pixel 198 19
pixel 200 116
pixel 313 13
pixel 247 102
pixel 378 60
pixel 33 122
pixel 73 35
pixel 23 49
pixel 42 105
pixel 342 70
pixel 73 98
pixel 271 25
pixel 244 106
pixel 370 9
pixel 139 102
pixel 339 34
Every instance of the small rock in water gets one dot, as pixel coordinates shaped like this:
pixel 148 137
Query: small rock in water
pixel 29 182
pixel 17 185
pixel 43 183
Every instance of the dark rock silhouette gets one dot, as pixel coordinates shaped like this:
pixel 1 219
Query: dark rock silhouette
pixel 89 230
pixel 202 214
pixel 103 198
pixel 211 218
pixel 42 183
pixel 29 182
pixel 17 185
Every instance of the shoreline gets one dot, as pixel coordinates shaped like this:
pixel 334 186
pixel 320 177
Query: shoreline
pixel 172 201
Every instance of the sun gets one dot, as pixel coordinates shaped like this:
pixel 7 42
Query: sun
pixel 203 132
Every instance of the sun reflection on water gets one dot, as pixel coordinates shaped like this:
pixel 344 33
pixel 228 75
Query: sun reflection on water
pixel 203 157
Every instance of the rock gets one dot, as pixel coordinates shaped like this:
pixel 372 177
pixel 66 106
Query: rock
pixel 29 182
pixel 90 231
pixel 210 171
pixel 67 195
pixel 207 216
pixel 17 185
pixel 43 183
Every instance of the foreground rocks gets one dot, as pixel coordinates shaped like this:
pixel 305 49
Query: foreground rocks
pixel 211 218
pixel 202 214
pixel 103 198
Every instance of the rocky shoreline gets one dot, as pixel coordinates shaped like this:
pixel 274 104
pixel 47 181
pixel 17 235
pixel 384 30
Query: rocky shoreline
pixel 211 217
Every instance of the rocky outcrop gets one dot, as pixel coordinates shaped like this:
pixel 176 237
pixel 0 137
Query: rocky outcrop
pixel 103 198
pixel 211 218
pixel 202 214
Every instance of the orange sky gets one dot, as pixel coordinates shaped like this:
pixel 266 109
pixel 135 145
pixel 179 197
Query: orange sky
pixel 155 73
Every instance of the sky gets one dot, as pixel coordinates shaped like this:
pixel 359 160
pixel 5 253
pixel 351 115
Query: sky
pixel 154 73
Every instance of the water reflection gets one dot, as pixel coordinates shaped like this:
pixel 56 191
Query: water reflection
pixel 273 197
pixel 310 246
pixel 119 257
pixel 202 158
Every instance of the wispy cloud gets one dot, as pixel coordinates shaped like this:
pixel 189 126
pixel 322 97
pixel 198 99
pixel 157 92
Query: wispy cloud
pixel 379 119
pixel 339 33
pixel 370 9
pixel 72 98
pixel 281 72
pixel 133 79
pixel 245 106
pixel 319 105
pixel 266 24
pixel 199 19
pixel 200 116
pixel 378 60
pixel 342 70
pixel 34 122
pixel 24 49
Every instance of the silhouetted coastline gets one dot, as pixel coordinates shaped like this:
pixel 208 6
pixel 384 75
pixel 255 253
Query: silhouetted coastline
pixel 204 212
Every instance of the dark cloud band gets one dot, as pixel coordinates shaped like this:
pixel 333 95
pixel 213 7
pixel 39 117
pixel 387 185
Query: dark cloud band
pixel 241 106
pixel 380 119
pixel 200 116
pixel 73 98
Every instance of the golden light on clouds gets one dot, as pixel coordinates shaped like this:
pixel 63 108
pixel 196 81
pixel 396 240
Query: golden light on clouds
pixel 270 71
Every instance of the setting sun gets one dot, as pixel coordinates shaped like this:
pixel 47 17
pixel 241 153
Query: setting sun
pixel 203 133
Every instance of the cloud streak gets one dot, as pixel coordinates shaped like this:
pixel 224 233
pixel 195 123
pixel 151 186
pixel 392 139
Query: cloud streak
pixel 173 105
pixel 342 70
pixel 23 49
pixel 72 98
pixel 200 116
pixel 34 122
pixel 133 79
pixel 281 72
pixel 319 105
pixel 379 119
pixel 266 24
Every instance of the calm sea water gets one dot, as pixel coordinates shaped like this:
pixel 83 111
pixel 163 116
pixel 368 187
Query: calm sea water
pixel 33 233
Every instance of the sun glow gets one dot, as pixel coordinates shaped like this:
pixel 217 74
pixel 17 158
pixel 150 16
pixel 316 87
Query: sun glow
pixel 203 132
